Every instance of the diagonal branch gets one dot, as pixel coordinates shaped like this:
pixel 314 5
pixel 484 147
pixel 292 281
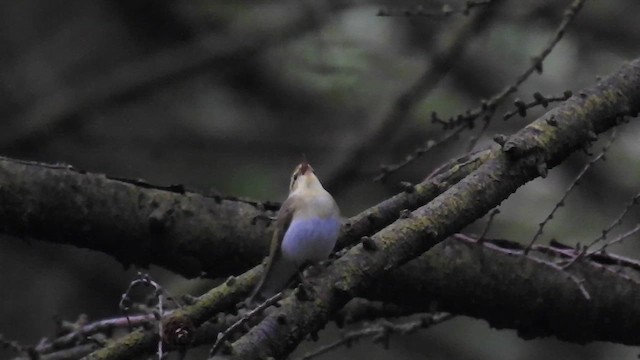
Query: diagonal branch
pixel 523 157
pixel 360 225
pixel 542 142
pixel 508 291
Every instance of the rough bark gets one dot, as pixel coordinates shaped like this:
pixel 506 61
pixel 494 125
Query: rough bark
pixel 185 232
pixel 517 292
pixel 134 222
pixel 360 225
pixel 488 282
pixel 523 157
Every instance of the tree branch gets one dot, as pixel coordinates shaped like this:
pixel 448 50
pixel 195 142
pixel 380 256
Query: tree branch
pixel 508 290
pixel 133 221
pixel 516 292
pixel 360 225
pixel 446 56
pixel 185 232
pixel 524 156
pixel 520 160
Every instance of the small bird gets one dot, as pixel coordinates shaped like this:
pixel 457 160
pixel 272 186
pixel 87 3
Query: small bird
pixel 306 231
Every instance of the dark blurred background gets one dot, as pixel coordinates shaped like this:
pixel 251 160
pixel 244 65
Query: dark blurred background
pixel 227 96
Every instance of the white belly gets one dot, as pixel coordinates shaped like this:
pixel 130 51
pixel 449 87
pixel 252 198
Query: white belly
pixel 310 240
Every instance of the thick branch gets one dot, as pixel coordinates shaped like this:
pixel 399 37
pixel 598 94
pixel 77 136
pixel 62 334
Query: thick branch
pixel 604 101
pixel 362 224
pixel 483 280
pixel 524 156
pixel 517 292
pixel 137 224
pixel 182 231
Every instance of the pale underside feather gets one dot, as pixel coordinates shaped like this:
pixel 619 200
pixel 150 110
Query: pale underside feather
pixel 309 224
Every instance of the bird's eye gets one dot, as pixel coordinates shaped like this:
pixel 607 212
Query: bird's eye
pixel 295 177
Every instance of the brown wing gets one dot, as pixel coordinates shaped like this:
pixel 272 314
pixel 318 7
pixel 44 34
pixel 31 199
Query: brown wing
pixel 282 224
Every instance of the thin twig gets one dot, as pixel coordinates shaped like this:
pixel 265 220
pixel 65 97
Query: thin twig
pixel 474 139
pixel 618 260
pixel 381 331
pixel 618 239
pixel 579 282
pixel 633 202
pixel 574 278
pixel 493 213
pixel 440 64
pixel 574 183
pixel 159 291
pixel 538 100
pixel 222 337
pixel 521 109
pixel 430 144
pixel 583 252
pixel 77 336
pixel 599 258
pixel 487 108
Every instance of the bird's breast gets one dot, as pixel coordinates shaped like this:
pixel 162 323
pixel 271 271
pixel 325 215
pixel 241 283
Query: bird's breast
pixel 310 239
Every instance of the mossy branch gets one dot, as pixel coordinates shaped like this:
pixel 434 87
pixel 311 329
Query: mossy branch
pixel 354 229
pixel 524 156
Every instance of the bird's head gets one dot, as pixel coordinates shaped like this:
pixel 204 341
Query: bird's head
pixel 303 178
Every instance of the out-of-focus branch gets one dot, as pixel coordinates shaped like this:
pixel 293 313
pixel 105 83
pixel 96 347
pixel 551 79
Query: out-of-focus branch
pixel 572 186
pixel 444 59
pixel 62 108
pixel 523 157
pixel 488 107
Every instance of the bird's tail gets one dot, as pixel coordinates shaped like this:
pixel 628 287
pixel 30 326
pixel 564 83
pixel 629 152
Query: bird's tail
pixel 275 278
